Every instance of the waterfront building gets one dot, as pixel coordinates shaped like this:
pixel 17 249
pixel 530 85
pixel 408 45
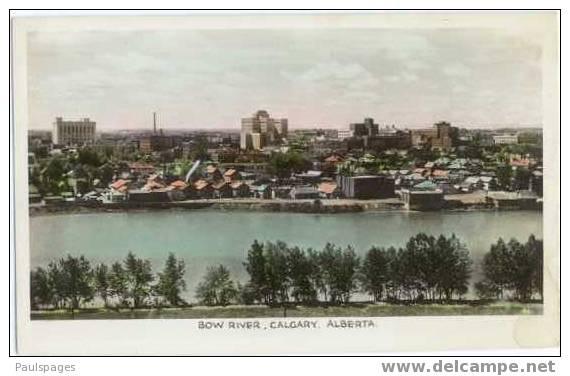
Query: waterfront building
pixel 422 199
pixel 366 187
pixel 329 189
pixel 304 193
pixel 261 130
pixel 222 189
pixel 203 189
pixel 441 136
pixel 240 189
pixel 73 132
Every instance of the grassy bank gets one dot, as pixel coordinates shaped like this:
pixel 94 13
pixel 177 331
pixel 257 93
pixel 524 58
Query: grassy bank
pixel 352 310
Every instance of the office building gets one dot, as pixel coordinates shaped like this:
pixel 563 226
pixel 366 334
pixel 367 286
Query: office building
pixel 441 136
pixel 367 128
pixel 261 130
pixel 73 132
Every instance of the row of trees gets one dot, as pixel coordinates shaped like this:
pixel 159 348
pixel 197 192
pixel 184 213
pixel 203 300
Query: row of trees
pixel 71 282
pixel 426 269
pixel 513 270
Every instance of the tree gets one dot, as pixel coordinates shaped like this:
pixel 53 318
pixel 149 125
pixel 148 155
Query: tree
pixel 328 261
pixel 41 293
pixel 512 268
pixel 504 176
pixel 284 164
pixel 374 273
pixel 118 283
pixel 300 273
pixel 277 272
pixel 454 270
pixel 102 283
pixel 338 269
pixel 217 288
pixel 57 282
pixel 89 157
pixel 138 276
pixel 76 281
pixel 345 281
pixel 536 252
pixel 255 267
pixel 496 267
pixel 521 179
pixel 171 281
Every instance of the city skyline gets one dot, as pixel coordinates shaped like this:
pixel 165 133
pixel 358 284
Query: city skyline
pixel 316 78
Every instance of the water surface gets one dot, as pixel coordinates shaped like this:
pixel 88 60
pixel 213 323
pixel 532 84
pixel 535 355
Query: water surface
pixel 209 237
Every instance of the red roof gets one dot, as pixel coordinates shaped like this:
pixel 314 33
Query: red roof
pixel 178 184
pixel 201 184
pixel 333 159
pixel 327 187
pixel 119 184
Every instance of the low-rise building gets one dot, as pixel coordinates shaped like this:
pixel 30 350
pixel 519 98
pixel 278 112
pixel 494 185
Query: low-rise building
pixel 505 139
pixel 329 190
pixel 304 193
pixel 422 199
pixel 366 187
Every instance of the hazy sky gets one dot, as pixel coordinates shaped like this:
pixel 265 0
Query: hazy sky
pixel 325 78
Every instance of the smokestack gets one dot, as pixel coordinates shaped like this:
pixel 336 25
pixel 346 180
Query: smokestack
pixel 154 121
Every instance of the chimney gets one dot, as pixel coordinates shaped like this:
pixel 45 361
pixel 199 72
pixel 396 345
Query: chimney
pixel 154 121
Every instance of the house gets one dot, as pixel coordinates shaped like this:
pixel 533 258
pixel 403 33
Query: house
pixel 178 190
pixel 282 191
pixel 222 189
pixel 329 189
pixel 426 185
pixel 261 191
pixel 304 192
pixel 310 177
pixel 470 184
pixel 120 185
pixel 213 173
pixel 232 175
pixel 240 189
pixel 203 189
pixel 334 159
pixel 488 183
pixel 154 182
pixel 440 174
pixel 141 168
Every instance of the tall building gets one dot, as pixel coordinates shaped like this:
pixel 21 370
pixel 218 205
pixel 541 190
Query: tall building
pixel 261 130
pixel 73 132
pixel 441 136
pixel 367 128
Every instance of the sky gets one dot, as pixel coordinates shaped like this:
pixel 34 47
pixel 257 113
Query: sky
pixel 324 78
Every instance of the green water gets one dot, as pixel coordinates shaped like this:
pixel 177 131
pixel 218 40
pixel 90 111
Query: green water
pixel 208 237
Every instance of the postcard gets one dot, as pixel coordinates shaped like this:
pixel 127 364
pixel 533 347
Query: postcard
pixel 286 184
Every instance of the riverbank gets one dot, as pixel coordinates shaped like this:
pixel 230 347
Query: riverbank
pixel 472 308
pixel 466 202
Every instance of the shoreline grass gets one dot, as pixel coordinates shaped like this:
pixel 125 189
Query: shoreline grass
pixel 261 311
